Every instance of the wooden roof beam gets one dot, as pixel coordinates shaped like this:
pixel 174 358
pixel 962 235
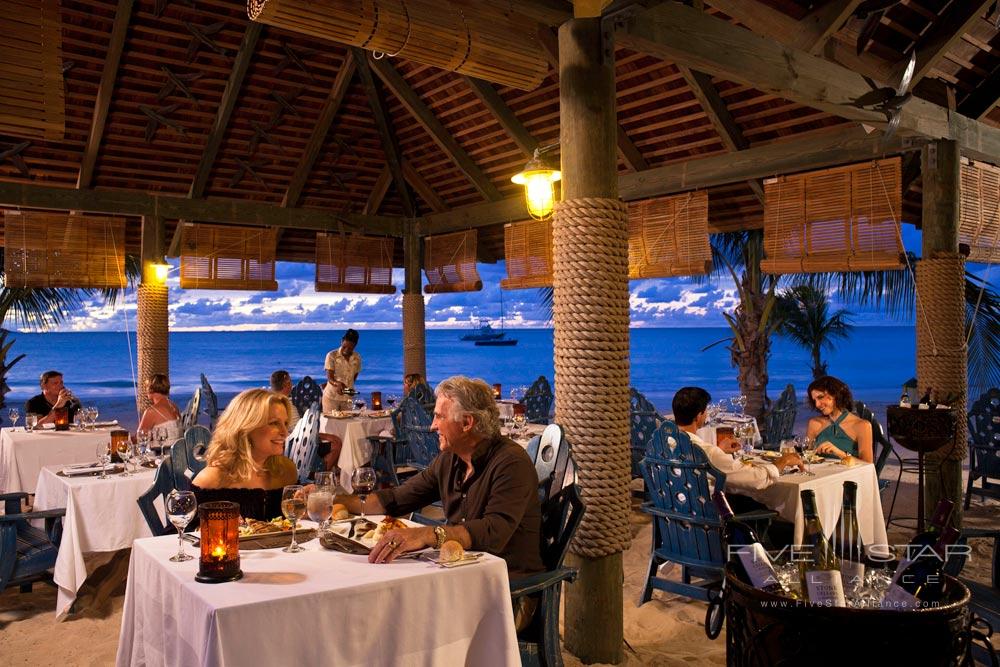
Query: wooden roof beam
pixel 377 195
pixel 380 112
pixel 686 36
pixel 423 188
pixel 820 24
pixel 983 99
pixel 488 95
pixel 105 90
pixel 441 136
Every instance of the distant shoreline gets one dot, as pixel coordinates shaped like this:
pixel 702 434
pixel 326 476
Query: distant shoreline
pixel 362 327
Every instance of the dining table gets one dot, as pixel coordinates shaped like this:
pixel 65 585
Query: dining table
pixel 315 607
pixel 24 453
pixel 102 517
pixel 732 421
pixel 353 429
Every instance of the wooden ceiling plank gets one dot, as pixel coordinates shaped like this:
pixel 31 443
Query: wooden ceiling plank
pixel 319 132
pixel 105 90
pixel 383 122
pixel 957 19
pixel 423 188
pixel 488 95
pixel 682 35
pixel 377 195
pixel 240 67
pixel 819 26
pixel 422 113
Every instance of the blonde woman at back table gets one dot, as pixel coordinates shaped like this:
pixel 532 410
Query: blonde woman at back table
pixel 163 413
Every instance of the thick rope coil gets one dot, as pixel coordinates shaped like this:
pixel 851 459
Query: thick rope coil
pixel 152 338
pixel 590 247
pixel 414 338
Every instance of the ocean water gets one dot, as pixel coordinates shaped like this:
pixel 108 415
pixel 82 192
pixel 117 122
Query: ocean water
pixel 99 367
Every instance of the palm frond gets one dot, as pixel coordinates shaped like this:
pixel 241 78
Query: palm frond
pixel 982 317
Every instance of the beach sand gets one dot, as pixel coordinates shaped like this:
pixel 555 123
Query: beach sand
pixel 665 631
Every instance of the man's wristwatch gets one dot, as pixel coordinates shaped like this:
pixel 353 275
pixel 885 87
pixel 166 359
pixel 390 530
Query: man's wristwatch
pixel 440 535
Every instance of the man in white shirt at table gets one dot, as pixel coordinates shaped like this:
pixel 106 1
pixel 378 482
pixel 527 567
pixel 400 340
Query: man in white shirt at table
pixel 690 407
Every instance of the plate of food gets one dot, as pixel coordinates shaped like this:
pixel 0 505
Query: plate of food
pixel 452 554
pixel 377 414
pixel 370 537
pixel 769 455
pixel 342 414
pixel 256 528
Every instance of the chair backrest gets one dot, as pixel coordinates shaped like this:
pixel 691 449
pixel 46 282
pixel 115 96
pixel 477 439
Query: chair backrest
pixel 538 401
pixel 779 423
pixel 163 484
pixel 415 423
pixel 424 395
pixel 188 455
pixel 880 443
pixel 190 415
pixel 677 473
pixel 301 444
pixel 181 475
pixel 984 433
pixel 305 393
pixel 209 402
pixel 643 420
pixel 551 457
pixel 561 516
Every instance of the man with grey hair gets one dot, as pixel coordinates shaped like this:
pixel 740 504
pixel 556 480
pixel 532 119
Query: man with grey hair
pixel 486 482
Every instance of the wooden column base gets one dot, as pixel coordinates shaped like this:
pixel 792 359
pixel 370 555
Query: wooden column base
pixel 594 609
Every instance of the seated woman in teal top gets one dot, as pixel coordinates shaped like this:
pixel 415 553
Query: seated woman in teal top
pixel 837 431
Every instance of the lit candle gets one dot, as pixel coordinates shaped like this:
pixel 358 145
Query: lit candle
pixel 497 391
pixel 219 552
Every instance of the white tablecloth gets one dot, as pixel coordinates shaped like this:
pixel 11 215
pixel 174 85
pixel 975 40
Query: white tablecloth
pixel 23 454
pixel 101 515
pixel 828 483
pixel 317 607
pixel 354 432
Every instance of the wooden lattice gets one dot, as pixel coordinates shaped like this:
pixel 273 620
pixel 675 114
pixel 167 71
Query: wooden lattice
pixel 228 257
pixel 62 250
pixel 472 38
pixel 979 225
pixel 356 264
pixel 528 253
pixel 450 263
pixel 668 236
pixel 840 219
pixel 32 102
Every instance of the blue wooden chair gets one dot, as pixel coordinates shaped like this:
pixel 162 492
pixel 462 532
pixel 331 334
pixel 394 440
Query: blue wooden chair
pixel 538 401
pixel 305 393
pixel 163 484
pixel 984 446
pixel 551 453
pixel 421 442
pixel 187 455
pixel 424 395
pixel 209 402
pixel 390 453
pixel 27 554
pixel 686 524
pixel 643 421
pixel 561 515
pixel 189 417
pixel 301 444
pixel 881 446
pixel 779 423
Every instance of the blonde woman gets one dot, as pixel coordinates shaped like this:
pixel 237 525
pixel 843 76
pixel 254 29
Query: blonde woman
pixel 246 462
pixel 163 413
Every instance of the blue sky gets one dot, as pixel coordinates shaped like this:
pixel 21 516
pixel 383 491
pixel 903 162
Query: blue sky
pixel 677 302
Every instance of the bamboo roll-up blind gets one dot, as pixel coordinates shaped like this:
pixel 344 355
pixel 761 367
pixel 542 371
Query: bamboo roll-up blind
pixel 979 220
pixel 472 38
pixel 356 264
pixel 668 236
pixel 450 263
pixel 839 219
pixel 32 101
pixel 528 254
pixel 228 257
pixel 63 250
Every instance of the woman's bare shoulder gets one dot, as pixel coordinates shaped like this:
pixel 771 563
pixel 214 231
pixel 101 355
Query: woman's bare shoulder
pixel 211 477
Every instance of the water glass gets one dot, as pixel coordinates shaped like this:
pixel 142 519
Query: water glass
pixel 13 414
pixel 103 458
pixel 181 507
pixel 293 506
pixel 319 505
pixel 125 454
pixel 30 421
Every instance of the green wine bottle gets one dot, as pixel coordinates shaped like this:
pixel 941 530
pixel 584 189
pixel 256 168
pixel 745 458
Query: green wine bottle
pixel 819 567
pixel 847 542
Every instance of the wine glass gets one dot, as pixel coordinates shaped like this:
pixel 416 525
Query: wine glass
pixel 142 445
pixel 125 452
pixel 319 504
pixel 30 421
pixel 363 481
pixel 103 458
pixel 93 413
pixel 293 506
pixel 181 506
pixel 13 414
pixel 390 401
pixel 359 405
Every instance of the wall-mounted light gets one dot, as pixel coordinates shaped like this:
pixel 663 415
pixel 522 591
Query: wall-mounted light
pixel 538 178
pixel 160 270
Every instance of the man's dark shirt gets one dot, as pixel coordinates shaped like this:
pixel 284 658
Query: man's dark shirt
pixel 41 406
pixel 498 505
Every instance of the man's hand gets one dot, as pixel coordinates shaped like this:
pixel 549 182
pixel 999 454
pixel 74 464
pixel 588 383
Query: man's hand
pixel 729 445
pixel 338 387
pixel 65 397
pixel 399 541
pixel 789 459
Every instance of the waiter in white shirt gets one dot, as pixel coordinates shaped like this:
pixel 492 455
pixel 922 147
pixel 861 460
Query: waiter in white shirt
pixel 342 368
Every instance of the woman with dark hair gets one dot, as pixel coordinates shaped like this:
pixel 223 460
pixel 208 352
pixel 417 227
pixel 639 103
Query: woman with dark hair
pixel 837 431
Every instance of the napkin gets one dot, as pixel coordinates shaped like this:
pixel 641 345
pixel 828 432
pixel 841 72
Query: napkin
pixel 113 422
pixel 69 471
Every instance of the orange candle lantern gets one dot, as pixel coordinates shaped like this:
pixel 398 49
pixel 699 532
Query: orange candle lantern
pixel 376 400
pixel 60 417
pixel 497 391
pixel 220 542
pixel 118 436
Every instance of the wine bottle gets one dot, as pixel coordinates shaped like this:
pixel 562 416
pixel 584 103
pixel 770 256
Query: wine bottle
pixel 925 400
pixel 942 513
pixel 847 542
pixel 819 567
pixel 920 582
pixel 748 556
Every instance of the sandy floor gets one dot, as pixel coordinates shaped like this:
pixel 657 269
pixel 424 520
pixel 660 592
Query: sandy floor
pixel 666 631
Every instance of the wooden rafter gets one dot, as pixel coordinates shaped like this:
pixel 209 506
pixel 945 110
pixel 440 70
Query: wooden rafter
pixel 820 24
pixel 488 95
pixel 981 101
pixel 377 194
pixel 423 188
pixel 683 35
pixel 441 136
pixel 380 112
pixel 835 147
pixel 105 90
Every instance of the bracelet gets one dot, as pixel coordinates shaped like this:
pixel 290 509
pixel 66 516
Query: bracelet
pixel 440 535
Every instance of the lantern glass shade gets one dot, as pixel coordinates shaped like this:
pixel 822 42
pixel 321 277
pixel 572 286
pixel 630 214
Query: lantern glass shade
pixel 220 542
pixel 376 400
pixel 538 177
pixel 61 418
pixel 497 391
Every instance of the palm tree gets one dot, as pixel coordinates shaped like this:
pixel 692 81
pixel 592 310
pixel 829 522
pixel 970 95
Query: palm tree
pixel 803 316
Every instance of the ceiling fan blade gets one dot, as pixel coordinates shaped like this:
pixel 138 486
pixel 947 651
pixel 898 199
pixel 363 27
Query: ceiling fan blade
pixel 911 66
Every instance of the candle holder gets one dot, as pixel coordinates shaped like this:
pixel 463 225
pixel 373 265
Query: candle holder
pixel 497 391
pixel 376 400
pixel 220 542
pixel 118 436
pixel 60 417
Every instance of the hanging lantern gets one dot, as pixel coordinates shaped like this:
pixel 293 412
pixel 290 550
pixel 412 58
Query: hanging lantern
pixel 538 177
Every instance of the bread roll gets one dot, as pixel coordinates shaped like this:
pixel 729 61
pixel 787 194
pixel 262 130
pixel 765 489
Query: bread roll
pixel 451 551
pixel 848 461
pixel 340 512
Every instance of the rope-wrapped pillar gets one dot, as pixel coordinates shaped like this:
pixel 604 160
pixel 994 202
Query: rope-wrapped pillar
pixel 151 311
pixel 591 315
pixel 414 333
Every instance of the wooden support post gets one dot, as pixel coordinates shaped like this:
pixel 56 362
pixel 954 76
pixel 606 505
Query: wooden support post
pixel 591 322
pixel 941 353
pixel 151 309
pixel 414 335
